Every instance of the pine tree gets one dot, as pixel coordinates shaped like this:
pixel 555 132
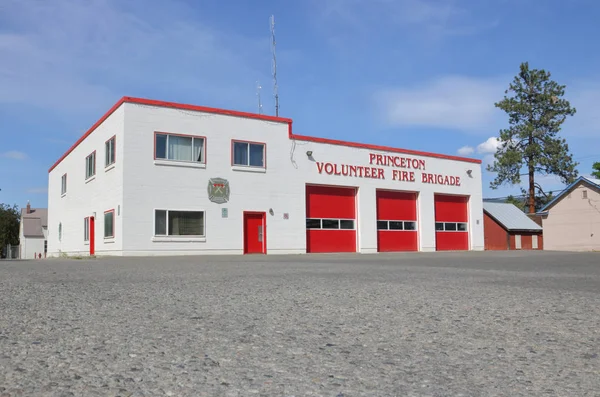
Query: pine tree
pixel 531 144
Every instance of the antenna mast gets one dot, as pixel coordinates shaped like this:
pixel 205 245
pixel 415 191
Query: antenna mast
pixel 258 88
pixel 273 43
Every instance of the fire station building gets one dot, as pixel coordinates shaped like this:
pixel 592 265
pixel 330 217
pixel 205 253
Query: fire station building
pixel 161 178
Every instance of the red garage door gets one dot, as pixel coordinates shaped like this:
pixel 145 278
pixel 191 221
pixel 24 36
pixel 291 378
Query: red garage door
pixel 330 219
pixel 451 227
pixel 396 221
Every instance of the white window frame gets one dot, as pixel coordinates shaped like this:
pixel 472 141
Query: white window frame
pixel 248 166
pixel 518 242
pixel 168 161
pixel 177 238
pixel 110 155
pixel 90 161
pixel 63 185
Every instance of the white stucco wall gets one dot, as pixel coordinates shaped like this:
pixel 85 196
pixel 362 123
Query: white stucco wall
pixel 84 198
pixel 573 223
pixel 138 185
pixel 149 185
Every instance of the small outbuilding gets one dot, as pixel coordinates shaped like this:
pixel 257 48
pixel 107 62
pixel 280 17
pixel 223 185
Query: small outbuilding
pixel 33 233
pixel 506 227
pixel 572 220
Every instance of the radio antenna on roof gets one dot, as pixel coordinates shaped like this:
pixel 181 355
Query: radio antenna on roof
pixel 273 44
pixel 258 88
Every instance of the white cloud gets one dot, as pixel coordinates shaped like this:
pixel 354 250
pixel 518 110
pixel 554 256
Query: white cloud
pixel 465 150
pixel 69 56
pixel 489 146
pixel 425 19
pixel 14 155
pixel 451 102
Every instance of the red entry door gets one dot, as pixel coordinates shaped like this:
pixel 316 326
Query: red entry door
pixel 92 235
pixel 255 233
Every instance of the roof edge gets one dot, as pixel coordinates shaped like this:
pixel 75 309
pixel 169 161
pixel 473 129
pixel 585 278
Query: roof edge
pixel 181 106
pixel 544 209
pixel 382 148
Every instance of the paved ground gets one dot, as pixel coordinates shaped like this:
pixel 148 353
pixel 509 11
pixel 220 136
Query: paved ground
pixel 464 324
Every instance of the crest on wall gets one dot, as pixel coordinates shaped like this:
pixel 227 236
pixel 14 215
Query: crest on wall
pixel 218 190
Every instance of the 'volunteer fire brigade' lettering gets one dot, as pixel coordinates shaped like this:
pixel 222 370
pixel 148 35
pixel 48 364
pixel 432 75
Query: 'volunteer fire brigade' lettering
pixel 359 171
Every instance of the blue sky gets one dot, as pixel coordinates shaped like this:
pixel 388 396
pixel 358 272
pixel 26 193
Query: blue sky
pixel 417 74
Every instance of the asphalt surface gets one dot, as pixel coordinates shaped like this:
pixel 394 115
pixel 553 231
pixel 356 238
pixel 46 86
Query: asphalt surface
pixel 455 324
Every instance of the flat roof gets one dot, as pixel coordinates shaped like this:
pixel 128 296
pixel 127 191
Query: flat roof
pixel 235 113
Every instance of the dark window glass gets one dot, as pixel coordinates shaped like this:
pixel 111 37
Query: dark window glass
pixel 160 223
pixel 331 224
pixel 462 227
pixel 450 226
pixel 313 223
pixel 410 225
pixel 396 225
pixel 109 218
pixel 382 225
pixel 347 224
pixel 161 146
pixel 186 223
pixel 240 153
pixel 257 158
pixel 439 226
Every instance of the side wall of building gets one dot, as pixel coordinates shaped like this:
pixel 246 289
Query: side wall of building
pixel 86 198
pixel 278 191
pixel 573 223
pixel 496 237
pixel 526 240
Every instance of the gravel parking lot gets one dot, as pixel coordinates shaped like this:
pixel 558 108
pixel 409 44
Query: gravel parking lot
pixel 443 324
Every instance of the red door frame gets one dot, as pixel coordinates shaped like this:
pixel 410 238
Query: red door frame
pixel 264 224
pixel 92 228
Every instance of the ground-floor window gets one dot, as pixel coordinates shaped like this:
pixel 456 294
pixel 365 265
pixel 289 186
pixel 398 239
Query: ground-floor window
pixel 397 225
pixel 343 224
pixel 86 229
pixel 109 224
pixel 178 223
pixel 450 227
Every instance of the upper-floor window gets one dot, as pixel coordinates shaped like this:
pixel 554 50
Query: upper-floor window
pixel 90 165
pixel 249 154
pixel 63 184
pixel 109 147
pixel 179 147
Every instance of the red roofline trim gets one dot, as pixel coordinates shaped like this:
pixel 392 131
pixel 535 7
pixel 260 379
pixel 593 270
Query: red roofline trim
pixel 195 108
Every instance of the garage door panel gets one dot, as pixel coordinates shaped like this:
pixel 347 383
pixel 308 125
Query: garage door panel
pixel 396 205
pixel 396 221
pixel 330 241
pixel 452 241
pixel 451 223
pixel 331 219
pixel 451 208
pixel 330 202
pixel 391 241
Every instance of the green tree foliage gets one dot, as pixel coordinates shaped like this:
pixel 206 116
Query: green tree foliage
pixel 9 225
pixel 596 168
pixel 523 203
pixel 531 146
